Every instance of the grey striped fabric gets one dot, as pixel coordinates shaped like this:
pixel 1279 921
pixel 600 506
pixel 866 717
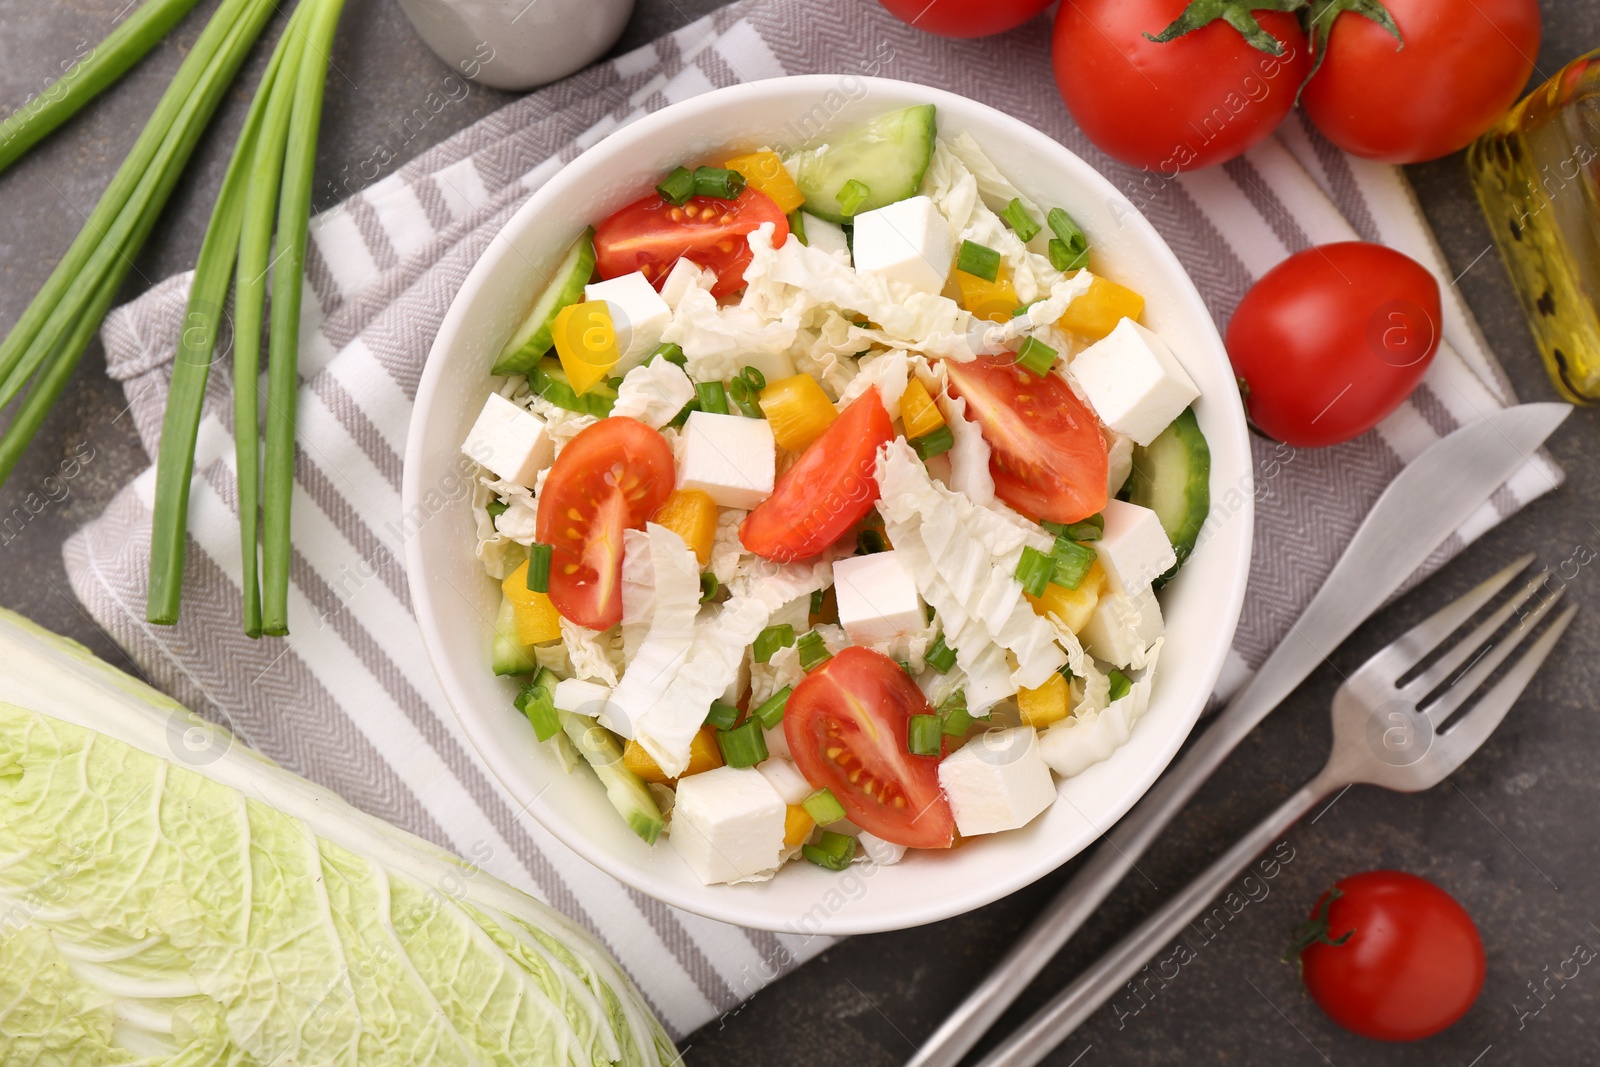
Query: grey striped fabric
pixel 349 700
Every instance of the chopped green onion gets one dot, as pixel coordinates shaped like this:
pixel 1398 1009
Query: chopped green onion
pixel 539 567
pixel 1024 225
pixel 941 657
pixel 1071 562
pixel 1036 357
pixel 957 719
pixel 496 508
pixel 677 187
pixel 1069 249
pixel 1034 570
pixel 722 716
pixel 713 397
pixel 670 352
pixel 745 398
pixel 1120 685
pixel 871 539
pixel 1090 529
pixel 1022 309
pixel 1065 670
pixel 708 586
pixel 743 746
pixel 852 195
pixel 769 713
pixel 980 261
pixel 833 851
pixel 925 735
pixel 536 700
pixel 905 665
pixel 817 597
pixel 683 414
pixel 718 182
pixel 933 444
pixel 753 375
pixel 770 640
pixel 813 650
pixel 797 225
pixel 823 807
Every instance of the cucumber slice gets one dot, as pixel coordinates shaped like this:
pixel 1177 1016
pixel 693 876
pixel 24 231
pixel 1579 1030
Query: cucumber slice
pixel 626 790
pixel 1172 477
pixel 549 379
pixel 889 155
pixel 532 339
pixel 511 656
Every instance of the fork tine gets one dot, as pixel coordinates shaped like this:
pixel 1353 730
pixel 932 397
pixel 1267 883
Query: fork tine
pixel 1423 638
pixel 1451 699
pixel 1440 672
pixel 1471 732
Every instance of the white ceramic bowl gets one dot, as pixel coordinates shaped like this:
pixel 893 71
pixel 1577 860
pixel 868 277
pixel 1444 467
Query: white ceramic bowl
pixel 456 602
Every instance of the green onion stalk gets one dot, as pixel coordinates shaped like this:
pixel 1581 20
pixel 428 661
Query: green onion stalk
pixel 259 225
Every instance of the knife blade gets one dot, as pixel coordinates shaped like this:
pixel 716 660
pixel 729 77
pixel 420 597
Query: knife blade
pixel 1421 508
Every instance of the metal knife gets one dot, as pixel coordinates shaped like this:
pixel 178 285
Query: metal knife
pixel 1423 506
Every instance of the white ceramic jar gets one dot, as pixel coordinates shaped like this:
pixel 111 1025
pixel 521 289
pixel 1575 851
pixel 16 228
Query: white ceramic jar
pixel 518 44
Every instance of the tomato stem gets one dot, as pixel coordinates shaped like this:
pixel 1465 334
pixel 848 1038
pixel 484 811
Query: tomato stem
pixel 1315 929
pixel 1240 15
pixel 1319 18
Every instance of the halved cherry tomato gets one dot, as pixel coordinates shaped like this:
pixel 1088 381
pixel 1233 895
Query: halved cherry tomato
pixel 650 235
pixel 830 488
pixel 1047 456
pixel 846 727
pixel 611 477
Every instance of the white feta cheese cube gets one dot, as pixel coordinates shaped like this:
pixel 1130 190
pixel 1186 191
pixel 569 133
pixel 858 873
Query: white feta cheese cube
pixel 1134 549
pixel 581 697
pixel 510 441
pixel 786 779
pixel 828 236
pixel 907 242
pixel 877 597
pixel 997 781
pixel 1122 627
pixel 732 458
pixel 1133 381
pixel 638 314
pixel 685 274
pixel 875 849
pixel 727 824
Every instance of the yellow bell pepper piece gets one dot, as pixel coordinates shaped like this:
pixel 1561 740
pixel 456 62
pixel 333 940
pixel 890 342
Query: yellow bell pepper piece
pixel 1097 311
pixel 765 171
pixel 994 300
pixel 1045 705
pixel 704 755
pixel 1072 606
pixel 797 825
pixel 692 515
pixel 586 341
pixel 918 411
pixel 538 622
pixel 797 409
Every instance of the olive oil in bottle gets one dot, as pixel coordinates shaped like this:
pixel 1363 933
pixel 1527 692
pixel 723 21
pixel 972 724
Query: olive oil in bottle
pixel 1535 173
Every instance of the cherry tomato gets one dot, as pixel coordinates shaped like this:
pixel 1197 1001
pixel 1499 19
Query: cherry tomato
pixel 1462 66
pixel 1333 339
pixel 846 727
pixel 1200 99
pixel 828 490
pixel 611 477
pixel 1397 960
pixel 1047 455
pixel 965 18
pixel 650 235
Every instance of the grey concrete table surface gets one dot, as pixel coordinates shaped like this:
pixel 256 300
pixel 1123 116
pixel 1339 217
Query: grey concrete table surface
pixel 1513 835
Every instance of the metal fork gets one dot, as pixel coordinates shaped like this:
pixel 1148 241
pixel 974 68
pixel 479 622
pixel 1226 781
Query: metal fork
pixel 1386 732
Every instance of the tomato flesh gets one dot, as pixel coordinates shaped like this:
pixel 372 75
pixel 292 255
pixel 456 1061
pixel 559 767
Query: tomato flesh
pixel 830 488
pixel 611 477
pixel 1333 339
pixel 965 18
pixel 1047 455
pixel 650 235
pixel 1412 966
pixel 1200 99
pixel 846 726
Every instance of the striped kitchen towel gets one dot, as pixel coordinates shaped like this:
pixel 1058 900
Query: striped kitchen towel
pixel 349 700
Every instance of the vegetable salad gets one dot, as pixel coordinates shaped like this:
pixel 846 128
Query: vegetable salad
pixel 829 491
